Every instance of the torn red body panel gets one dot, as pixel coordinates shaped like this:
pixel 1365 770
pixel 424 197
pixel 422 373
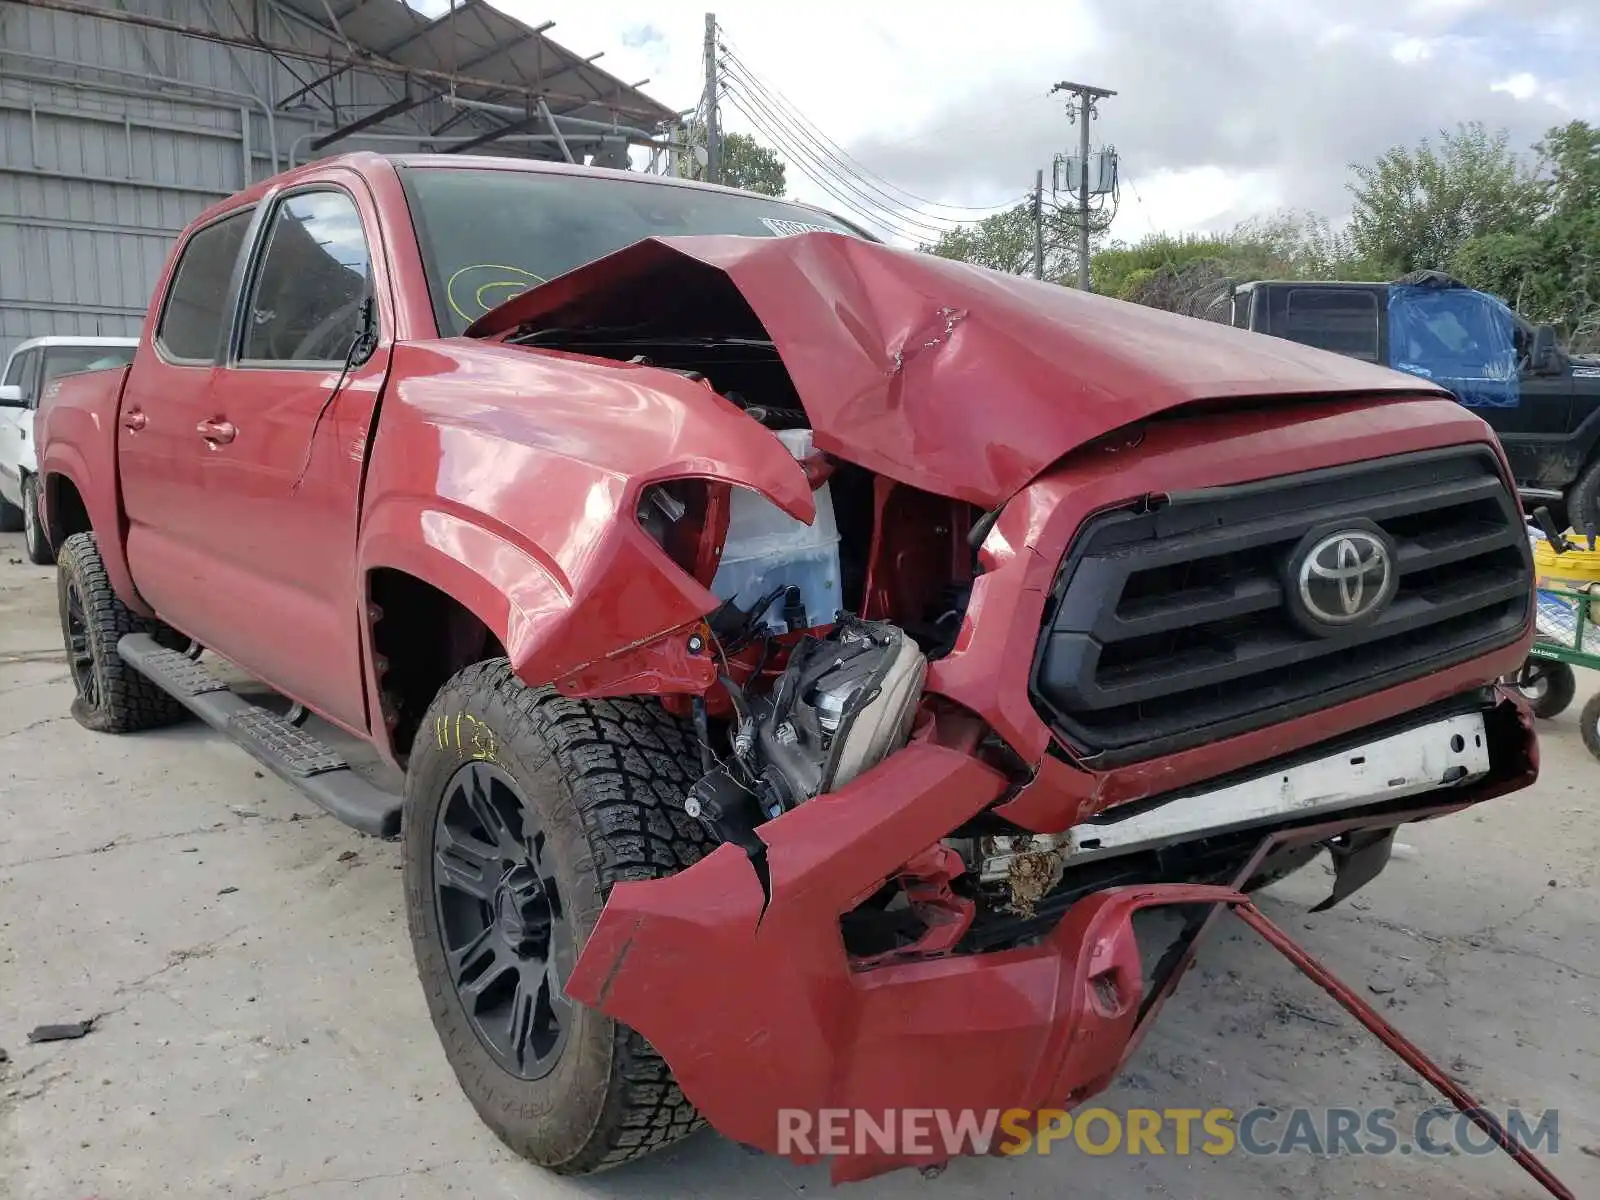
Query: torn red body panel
pixel 798 1026
pixel 950 378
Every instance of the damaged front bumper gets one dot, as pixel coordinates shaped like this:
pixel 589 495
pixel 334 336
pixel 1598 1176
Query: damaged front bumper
pixel 735 970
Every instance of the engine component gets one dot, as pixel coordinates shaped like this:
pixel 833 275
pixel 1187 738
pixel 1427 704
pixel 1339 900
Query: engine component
pixel 843 703
pixel 727 808
pixel 1028 866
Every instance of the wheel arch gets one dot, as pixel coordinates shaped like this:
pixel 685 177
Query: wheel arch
pixel 70 503
pixel 441 590
pixel 419 635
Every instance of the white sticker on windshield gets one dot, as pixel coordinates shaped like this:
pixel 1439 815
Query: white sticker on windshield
pixel 783 227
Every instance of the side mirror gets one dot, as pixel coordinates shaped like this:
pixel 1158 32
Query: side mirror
pixel 1543 357
pixel 11 396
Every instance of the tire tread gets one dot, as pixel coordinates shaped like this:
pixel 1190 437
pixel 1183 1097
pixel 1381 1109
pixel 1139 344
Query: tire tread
pixel 627 764
pixel 128 701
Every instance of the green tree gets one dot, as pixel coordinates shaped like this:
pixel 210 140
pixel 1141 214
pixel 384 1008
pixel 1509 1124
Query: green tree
pixel 1549 268
pixel 1004 241
pixel 747 164
pixel 1190 273
pixel 1416 208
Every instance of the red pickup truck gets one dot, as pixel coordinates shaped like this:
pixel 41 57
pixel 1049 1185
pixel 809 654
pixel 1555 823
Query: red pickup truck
pixel 811 661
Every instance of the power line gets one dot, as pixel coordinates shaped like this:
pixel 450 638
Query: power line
pixel 843 190
pixel 842 187
pixel 755 95
pixel 1144 208
pixel 837 153
pixel 884 223
pixel 795 146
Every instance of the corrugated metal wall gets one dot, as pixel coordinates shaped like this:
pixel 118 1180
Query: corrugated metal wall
pixel 112 137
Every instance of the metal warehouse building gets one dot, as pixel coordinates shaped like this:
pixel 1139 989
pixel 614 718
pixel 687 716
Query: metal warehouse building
pixel 120 120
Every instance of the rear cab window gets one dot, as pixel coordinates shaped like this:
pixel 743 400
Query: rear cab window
pixel 1343 320
pixel 195 312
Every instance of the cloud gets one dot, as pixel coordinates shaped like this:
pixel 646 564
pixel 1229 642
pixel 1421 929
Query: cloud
pixel 1225 107
pixel 641 35
pixel 1212 86
pixel 1521 85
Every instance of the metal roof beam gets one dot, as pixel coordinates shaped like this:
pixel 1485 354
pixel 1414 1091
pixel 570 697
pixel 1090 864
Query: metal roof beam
pixel 366 62
pixel 404 104
pixel 315 84
pixel 496 134
pixel 492 51
pixel 428 27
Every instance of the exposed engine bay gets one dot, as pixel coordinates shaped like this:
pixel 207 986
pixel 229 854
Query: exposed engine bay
pixel 823 642
pixel 844 702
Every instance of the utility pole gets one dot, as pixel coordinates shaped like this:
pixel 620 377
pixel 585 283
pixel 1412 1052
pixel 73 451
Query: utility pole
pixel 1038 224
pixel 713 134
pixel 1081 108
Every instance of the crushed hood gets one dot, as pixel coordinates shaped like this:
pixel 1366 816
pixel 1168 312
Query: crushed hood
pixel 945 376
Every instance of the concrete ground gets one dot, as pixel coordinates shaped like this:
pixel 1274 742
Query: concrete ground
pixel 260 1032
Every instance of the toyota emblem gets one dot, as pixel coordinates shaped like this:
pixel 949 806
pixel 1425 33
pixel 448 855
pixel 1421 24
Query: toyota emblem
pixel 1345 578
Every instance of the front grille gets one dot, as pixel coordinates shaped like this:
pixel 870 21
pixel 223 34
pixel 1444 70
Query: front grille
pixel 1173 626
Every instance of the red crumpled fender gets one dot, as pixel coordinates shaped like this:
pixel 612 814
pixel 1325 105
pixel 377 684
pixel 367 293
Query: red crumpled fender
pixel 944 376
pixel 508 478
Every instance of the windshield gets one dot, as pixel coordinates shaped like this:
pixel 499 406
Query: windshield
pixel 489 235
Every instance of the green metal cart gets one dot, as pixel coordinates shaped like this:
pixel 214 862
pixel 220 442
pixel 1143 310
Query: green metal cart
pixel 1568 637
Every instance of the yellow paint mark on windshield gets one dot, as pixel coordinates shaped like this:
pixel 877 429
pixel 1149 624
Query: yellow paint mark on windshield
pixel 482 294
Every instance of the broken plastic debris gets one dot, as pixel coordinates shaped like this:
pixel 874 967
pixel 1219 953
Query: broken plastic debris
pixel 62 1033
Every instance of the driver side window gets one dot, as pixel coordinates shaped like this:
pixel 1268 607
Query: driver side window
pixel 305 304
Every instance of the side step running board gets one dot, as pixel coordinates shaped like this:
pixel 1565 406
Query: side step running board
pixel 289 752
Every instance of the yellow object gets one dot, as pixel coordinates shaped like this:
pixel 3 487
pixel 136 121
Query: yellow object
pixel 1577 569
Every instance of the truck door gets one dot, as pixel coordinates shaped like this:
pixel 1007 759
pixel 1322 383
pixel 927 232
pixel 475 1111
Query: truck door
pixel 159 446
pixel 1467 341
pixel 286 425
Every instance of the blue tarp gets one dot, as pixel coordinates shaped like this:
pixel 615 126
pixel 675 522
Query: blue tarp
pixel 1460 339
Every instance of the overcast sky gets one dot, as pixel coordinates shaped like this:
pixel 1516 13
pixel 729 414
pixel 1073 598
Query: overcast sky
pixel 1225 108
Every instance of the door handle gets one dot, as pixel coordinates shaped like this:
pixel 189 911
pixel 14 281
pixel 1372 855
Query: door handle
pixel 217 432
pixel 134 420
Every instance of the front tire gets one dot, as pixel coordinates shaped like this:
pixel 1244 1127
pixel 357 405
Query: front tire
pixel 522 810
pixel 10 516
pixel 33 533
pixel 111 696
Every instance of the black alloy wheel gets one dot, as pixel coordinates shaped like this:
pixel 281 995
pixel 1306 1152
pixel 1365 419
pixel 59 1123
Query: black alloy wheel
pixel 80 654
pixel 506 940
